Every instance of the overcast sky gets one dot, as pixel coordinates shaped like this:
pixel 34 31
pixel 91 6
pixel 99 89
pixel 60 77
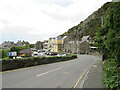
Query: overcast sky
pixel 37 20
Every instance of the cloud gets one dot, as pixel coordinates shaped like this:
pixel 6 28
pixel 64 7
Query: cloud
pixel 40 19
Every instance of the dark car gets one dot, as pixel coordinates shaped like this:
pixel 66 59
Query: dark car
pixel 53 53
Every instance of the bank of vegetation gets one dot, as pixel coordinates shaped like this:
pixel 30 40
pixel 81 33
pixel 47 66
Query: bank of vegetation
pixel 108 42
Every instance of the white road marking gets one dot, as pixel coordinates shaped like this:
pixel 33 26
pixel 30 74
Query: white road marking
pixel 49 72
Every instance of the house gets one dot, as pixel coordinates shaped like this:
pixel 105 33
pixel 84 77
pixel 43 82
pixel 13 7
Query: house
pixel 39 45
pixel 58 44
pixel 50 44
pixel 75 46
pixel 45 45
pixel 6 45
pixel 22 43
pixel 26 52
pixel 55 44
pixel 83 46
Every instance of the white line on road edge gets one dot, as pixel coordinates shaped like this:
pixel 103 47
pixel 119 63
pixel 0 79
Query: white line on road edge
pixel 49 72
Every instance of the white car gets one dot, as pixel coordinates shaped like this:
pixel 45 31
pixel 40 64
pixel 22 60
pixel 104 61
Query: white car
pixel 18 57
pixel 35 54
pixel 61 55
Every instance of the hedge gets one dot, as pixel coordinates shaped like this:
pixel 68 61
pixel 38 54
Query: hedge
pixel 32 61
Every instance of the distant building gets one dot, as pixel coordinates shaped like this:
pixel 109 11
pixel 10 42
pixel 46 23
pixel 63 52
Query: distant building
pixel 45 45
pixel 26 52
pixel 58 44
pixel 55 44
pixel 39 45
pixel 50 43
pixel 22 43
pixel 74 46
pixel 7 45
pixel 83 46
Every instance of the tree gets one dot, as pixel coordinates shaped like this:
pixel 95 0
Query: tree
pixel 31 46
pixel 4 53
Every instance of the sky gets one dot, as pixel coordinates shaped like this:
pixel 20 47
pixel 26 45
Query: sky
pixel 37 20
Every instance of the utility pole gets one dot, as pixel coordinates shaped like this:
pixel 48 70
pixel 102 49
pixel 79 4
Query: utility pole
pixel 102 21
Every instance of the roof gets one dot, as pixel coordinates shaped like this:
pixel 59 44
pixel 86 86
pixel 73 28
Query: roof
pixel 26 51
pixel 85 38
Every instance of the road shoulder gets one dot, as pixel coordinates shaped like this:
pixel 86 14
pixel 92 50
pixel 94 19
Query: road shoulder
pixel 95 76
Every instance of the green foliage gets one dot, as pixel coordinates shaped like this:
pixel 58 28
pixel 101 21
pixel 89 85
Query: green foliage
pixel 108 42
pixel 31 46
pixel 5 58
pixel 107 37
pixel 111 75
pixel 4 53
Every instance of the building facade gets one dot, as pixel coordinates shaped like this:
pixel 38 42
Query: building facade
pixel 39 45
pixel 51 43
pixel 58 44
pixel 45 45
pixel 75 46
pixel 22 43
pixel 7 45
pixel 55 44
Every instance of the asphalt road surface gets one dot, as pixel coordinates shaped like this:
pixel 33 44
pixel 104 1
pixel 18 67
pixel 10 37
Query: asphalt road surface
pixel 68 74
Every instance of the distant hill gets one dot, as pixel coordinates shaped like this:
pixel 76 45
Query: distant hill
pixel 90 25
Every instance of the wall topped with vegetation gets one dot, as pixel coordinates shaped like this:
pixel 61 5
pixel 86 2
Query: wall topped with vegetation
pixel 33 61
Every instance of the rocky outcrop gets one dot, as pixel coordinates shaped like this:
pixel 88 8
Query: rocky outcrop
pixel 90 25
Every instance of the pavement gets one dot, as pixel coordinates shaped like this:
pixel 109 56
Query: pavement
pixel 83 72
pixel 95 76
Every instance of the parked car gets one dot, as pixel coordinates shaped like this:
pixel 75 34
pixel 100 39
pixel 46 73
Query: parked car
pixel 35 54
pixel 18 57
pixel 61 55
pixel 53 53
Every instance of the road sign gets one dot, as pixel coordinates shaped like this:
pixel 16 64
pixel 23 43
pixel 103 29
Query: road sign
pixel 12 53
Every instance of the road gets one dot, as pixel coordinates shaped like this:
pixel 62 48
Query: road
pixel 68 74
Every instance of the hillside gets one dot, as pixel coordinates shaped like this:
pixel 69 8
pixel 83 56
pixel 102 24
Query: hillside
pixel 90 25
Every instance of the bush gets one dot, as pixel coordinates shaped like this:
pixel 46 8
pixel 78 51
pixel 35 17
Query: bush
pixel 111 75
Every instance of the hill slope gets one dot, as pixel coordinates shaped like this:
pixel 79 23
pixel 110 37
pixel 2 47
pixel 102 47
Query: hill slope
pixel 89 25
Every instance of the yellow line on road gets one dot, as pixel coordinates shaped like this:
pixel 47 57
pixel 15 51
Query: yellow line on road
pixel 75 85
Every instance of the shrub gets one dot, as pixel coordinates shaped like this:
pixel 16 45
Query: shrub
pixel 111 75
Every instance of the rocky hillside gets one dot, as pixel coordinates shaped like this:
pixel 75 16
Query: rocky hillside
pixel 90 25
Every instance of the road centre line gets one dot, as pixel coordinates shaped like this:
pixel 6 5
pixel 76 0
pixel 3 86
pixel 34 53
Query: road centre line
pixel 86 71
pixel 75 85
pixel 49 72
